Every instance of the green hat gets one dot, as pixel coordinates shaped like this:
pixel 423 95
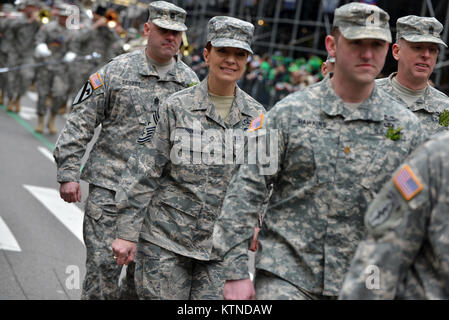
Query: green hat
pixel 419 29
pixel 362 21
pixel 168 16
pixel 230 32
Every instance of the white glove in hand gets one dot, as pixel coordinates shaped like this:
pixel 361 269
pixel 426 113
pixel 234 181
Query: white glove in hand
pixel 42 51
pixel 69 56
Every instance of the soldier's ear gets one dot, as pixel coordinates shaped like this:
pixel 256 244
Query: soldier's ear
pixel 147 28
pixel 331 45
pixel 206 56
pixel 395 51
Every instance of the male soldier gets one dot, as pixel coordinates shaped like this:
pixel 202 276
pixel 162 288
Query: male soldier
pixel 102 38
pixel 406 252
pixel 52 43
pixel 23 30
pixel 416 50
pixel 337 143
pixel 6 46
pixel 123 97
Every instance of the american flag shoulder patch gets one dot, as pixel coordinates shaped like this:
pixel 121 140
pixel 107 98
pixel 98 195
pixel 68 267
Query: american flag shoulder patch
pixel 407 183
pixel 256 124
pixel 95 80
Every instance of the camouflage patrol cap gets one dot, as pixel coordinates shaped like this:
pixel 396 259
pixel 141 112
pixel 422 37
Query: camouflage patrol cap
pixel 419 29
pixel 362 21
pixel 230 32
pixel 168 16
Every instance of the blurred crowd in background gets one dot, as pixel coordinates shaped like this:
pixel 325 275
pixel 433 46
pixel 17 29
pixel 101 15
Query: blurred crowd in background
pixel 102 31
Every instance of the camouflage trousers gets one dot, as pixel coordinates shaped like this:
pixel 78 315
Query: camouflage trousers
pixel 20 80
pixel 270 287
pixel 102 272
pixel 164 275
pixel 54 84
pixel 3 76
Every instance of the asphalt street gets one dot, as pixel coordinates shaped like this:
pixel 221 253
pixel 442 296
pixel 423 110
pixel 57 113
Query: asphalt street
pixel 42 254
pixel 47 259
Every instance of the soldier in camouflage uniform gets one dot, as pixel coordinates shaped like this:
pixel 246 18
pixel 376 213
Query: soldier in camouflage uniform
pixel 51 80
pixel 6 46
pixel 103 40
pixel 169 205
pixel 407 246
pixel 123 97
pixel 22 31
pixel 95 39
pixel 416 50
pixel 338 142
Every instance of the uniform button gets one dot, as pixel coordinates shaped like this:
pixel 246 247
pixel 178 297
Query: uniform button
pixel 347 150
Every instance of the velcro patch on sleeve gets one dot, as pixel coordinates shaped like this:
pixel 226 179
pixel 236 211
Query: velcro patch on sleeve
pixel 95 80
pixel 256 124
pixel 84 93
pixel 407 183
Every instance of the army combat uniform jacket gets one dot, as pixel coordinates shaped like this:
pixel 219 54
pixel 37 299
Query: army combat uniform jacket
pixel 57 38
pixel 179 199
pixel 406 252
pixel 332 160
pixel 429 108
pixel 123 97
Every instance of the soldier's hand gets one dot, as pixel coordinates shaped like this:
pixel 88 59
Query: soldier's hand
pixel 239 290
pixel 124 251
pixel 70 191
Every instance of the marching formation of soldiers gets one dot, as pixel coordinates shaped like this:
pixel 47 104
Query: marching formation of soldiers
pixel 56 48
pixel 348 175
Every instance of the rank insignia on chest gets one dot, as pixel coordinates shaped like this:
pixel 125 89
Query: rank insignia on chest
pixel 347 150
pixel 256 124
pixel 95 80
pixel 407 183
pixel 149 129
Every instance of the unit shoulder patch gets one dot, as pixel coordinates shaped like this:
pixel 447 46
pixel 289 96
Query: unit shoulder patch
pixel 84 93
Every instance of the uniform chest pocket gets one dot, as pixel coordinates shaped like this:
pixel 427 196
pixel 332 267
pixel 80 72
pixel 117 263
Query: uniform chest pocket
pixel 379 157
pixel 325 154
pixel 146 108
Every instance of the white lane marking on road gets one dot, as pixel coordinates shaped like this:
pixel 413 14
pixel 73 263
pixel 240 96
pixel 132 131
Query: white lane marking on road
pixel 7 240
pixel 67 213
pixel 46 153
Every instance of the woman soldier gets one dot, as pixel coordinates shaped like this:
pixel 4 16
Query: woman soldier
pixel 172 190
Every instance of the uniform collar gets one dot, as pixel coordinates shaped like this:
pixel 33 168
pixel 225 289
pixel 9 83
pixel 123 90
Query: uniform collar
pixel 372 109
pixel 176 74
pixel 239 108
pixel 419 104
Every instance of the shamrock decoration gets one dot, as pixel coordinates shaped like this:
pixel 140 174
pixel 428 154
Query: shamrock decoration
pixel 394 134
pixel 444 118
